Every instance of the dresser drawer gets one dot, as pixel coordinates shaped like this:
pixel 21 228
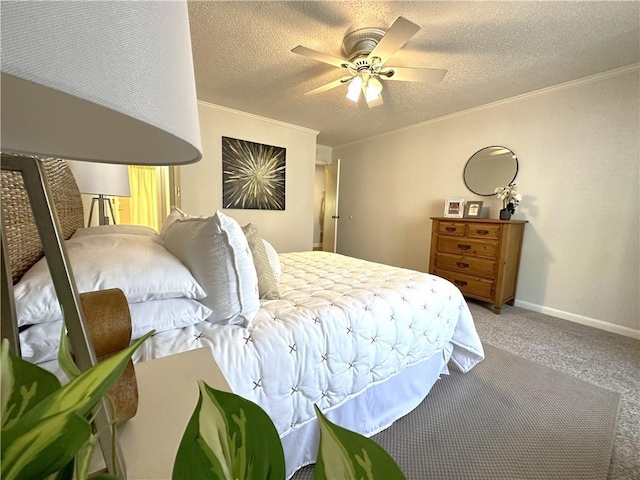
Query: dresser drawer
pixel 451 228
pixel 469 265
pixel 474 287
pixel 467 246
pixel 483 230
pixel 479 256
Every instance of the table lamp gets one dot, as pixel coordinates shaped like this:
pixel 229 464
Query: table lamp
pixel 103 180
pixel 101 81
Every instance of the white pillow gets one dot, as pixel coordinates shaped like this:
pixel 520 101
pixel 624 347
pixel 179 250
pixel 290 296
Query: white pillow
pixel 267 285
pixel 109 229
pixel 274 260
pixel 164 315
pixel 139 265
pixel 39 343
pixel 175 214
pixel 216 251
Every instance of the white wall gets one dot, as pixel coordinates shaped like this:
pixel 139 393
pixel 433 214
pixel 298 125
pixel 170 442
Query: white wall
pixel 579 147
pixel 201 183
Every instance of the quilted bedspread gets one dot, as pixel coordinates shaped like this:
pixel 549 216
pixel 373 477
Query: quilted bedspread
pixel 341 326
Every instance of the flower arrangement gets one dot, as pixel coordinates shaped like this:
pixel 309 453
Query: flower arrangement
pixel 509 196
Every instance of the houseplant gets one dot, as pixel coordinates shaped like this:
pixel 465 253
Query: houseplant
pixel 229 437
pixel 45 432
pixel 510 199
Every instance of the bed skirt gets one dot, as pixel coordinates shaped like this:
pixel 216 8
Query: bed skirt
pixel 371 411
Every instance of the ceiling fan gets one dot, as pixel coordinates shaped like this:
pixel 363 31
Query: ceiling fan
pixel 367 51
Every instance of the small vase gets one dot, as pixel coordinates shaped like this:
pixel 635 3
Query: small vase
pixel 505 214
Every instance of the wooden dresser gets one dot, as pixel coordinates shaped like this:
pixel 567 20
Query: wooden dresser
pixel 480 256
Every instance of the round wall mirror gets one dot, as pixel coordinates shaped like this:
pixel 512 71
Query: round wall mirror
pixel 489 168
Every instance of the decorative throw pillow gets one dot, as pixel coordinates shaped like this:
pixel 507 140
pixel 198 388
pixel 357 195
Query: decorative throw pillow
pixel 267 285
pixel 274 260
pixel 139 265
pixel 174 215
pixel 216 251
pixel 39 343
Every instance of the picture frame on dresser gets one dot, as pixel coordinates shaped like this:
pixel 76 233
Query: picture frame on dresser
pixel 454 207
pixel 473 209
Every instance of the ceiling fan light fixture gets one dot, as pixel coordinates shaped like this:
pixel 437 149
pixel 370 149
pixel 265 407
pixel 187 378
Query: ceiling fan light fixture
pixel 368 50
pixel 353 91
pixel 373 89
pixel 371 94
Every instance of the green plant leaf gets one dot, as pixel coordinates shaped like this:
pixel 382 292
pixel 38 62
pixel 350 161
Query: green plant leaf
pixel 24 386
pixel 65 360
pixel 65 473
pixel 83 393
pixel 218 445
pixel 348 455
pixel 6 380
pixel 73 400
pixel 83 458
pixel 48 446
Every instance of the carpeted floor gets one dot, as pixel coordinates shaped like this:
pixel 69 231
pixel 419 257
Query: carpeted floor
pixel 605 359
pixel 602 359
pixel 508 418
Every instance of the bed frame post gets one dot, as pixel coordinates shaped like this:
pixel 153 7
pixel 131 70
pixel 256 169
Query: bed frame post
pixel 46 220
pixel 9 328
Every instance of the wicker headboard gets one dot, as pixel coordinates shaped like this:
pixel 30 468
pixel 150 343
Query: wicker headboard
pixel 23 241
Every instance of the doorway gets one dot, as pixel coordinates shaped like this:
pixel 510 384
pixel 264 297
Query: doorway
pixel 331 216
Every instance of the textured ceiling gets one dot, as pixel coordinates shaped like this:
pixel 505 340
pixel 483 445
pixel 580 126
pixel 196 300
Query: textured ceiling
pixel 492 51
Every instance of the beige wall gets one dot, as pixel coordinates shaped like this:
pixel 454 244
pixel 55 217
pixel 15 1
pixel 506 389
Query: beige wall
pixel 201 183
pixel 578 146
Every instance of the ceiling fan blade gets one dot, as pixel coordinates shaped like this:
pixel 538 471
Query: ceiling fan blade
pixel 329 86
pixel 406 74
pixel 321 57
pixel 397 35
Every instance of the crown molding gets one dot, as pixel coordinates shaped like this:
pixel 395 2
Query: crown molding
pixel 257 117
pixel 617 72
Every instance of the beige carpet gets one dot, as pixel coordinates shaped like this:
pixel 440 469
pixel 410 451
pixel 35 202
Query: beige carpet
pixel 509 418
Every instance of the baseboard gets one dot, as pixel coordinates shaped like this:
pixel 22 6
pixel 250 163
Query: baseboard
pixel 572 317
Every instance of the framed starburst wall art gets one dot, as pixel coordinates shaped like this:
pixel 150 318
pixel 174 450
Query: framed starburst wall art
pixel 253 175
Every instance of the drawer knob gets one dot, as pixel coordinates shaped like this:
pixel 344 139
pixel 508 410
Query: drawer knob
pixel 450 229
pixel 483 232
pixel 462 283
pixel 462 246
pixel 462 265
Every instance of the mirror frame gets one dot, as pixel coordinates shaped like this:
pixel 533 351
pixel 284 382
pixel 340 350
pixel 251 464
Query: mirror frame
pixel 464 178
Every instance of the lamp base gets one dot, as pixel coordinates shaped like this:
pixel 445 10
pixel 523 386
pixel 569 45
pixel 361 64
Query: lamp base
pixel 103 219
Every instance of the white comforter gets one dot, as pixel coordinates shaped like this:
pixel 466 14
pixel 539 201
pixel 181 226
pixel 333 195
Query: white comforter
pixel 341 326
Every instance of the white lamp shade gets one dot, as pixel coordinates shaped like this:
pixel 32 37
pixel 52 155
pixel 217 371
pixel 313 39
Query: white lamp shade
pixel 100 81
pixel 101 178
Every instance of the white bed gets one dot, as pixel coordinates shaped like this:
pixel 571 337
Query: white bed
pixel 363 341
pixel 341 331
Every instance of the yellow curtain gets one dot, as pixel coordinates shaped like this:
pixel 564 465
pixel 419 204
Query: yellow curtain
pixel 143 204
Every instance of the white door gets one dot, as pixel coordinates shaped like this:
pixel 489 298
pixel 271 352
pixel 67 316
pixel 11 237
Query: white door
pixel 330 224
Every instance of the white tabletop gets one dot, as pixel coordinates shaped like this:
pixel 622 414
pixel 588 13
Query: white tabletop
pixel 168 394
